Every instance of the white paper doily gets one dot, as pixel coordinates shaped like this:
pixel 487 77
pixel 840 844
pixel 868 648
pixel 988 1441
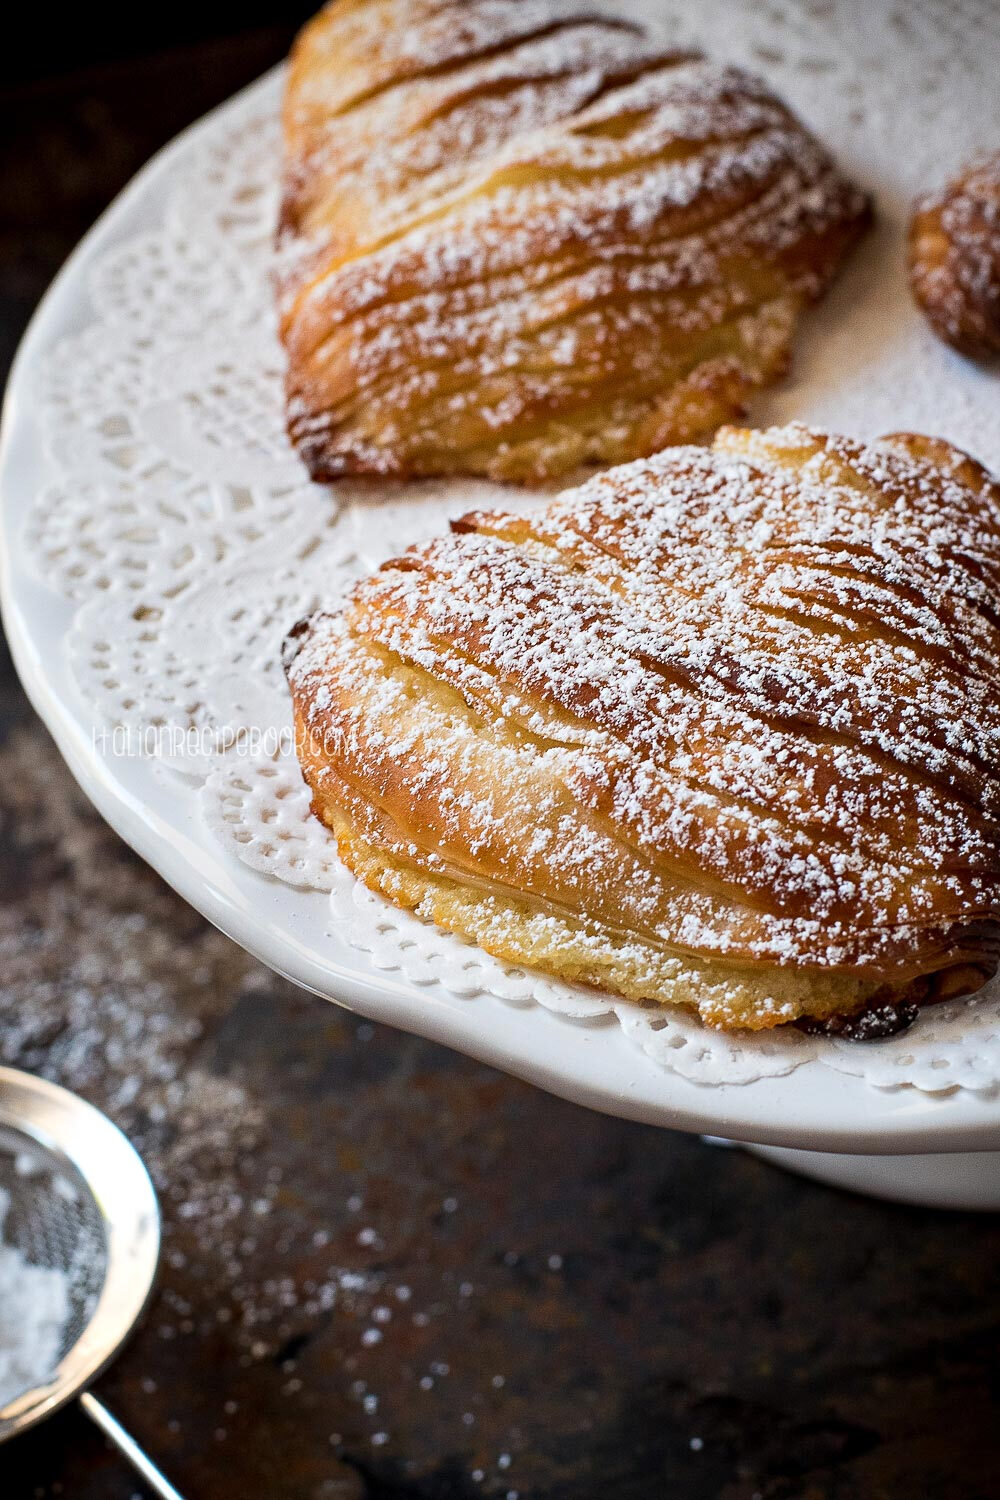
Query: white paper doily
pixel 184 538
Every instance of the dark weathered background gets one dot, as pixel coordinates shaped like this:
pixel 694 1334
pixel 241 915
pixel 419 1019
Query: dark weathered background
pixel 390 1272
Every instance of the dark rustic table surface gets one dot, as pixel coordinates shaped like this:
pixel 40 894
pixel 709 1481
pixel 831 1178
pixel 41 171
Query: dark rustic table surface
pixel 389 1271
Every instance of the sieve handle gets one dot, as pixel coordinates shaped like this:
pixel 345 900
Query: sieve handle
pixel 128 1447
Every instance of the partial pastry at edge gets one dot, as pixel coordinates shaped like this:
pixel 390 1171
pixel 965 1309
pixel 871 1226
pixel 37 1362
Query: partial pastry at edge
pixel 518 237
pixel 717 729
pixel 954 256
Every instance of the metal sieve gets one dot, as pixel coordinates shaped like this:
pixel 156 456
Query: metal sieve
pixel 78 1200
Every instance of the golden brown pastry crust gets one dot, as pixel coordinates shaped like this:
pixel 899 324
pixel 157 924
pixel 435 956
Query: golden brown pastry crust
pixel 955 260
pixel 517 237
pixel 719 728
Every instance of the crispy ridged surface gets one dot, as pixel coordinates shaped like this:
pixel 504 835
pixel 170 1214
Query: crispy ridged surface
pixel 517 237
pixel 719 728
pixel 955 259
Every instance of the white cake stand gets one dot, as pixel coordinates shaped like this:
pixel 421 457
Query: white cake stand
pixel 940 1149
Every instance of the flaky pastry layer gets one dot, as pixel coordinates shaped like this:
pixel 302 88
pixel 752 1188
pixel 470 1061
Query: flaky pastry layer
pixel 518 237
pixel 719 728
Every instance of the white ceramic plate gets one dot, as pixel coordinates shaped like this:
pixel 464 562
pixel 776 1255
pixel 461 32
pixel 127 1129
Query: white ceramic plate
pixel 594 1064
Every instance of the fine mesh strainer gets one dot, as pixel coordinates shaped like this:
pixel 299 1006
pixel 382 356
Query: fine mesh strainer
pixel 77 1200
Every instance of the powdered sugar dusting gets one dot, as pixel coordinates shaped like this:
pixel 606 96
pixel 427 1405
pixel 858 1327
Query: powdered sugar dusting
pixel 510 258
pixel 740 699
pixel 955 259
pixel 34 1309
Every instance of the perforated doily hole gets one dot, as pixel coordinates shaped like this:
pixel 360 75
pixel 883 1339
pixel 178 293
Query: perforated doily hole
pixel 53 1222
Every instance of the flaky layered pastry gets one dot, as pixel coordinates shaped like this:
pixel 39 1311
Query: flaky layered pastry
pixel 518 237
pixel 718 729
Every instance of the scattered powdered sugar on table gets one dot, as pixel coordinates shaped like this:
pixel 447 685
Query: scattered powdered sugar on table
pixel 34 1308
pixel 274 1235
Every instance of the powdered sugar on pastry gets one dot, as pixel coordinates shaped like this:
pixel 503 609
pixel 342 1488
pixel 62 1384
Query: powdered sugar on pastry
pixel 729 706
pixel 519 237
pixel 954 245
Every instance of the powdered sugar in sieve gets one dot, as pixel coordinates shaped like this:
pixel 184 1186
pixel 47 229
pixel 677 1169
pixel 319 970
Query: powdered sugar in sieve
pixel 52 1264
pixel 79 1244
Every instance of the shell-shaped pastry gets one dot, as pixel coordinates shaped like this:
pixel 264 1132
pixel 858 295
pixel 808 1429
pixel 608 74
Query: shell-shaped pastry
pixel 719 728
pixel 955 260
pixel 518 237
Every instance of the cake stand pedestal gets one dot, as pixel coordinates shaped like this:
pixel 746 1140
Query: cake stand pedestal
pixel 955 1180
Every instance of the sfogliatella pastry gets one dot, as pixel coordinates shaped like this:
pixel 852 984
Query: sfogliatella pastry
pixel 955 260
pixel 517 237
pixel 718 729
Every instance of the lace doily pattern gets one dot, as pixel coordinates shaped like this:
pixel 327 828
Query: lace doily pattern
pixel 181 529
pixel 259 809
